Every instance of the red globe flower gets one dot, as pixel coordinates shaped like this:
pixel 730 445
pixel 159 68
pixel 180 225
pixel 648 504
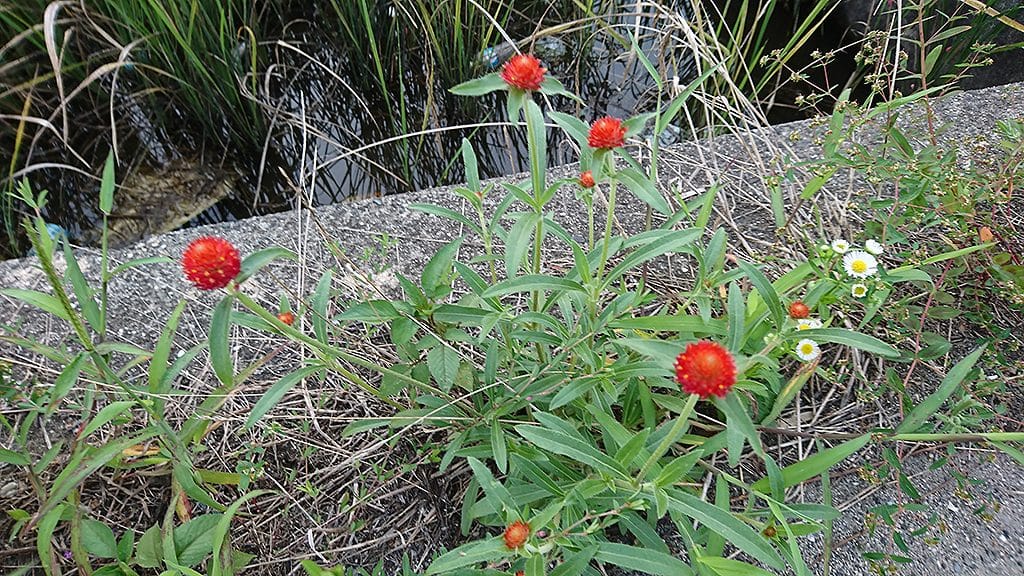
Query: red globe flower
pixel 705 368
pixel 607 133
pixel 516 534
pixel 211 262
pixel 798 310
pixel 523 71
pixel 286 317
pixel 587 179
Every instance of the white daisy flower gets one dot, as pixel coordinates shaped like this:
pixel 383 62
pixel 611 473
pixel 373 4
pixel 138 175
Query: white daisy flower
pixel 807 350
pixel 840 246
pixel 860 264
pixel 808 324
pixel 859 290
pixel 873 247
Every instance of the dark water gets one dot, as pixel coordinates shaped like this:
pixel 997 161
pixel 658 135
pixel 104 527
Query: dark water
pixel 326 107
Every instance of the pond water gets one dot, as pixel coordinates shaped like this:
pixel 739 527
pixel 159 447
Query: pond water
pixel 353 116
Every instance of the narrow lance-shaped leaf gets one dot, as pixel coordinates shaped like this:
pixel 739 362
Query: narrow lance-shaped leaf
pixel 220 347
pixel 949 384
pixel 810 467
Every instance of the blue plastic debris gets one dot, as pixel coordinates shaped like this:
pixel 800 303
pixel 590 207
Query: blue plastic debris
pixel 489 57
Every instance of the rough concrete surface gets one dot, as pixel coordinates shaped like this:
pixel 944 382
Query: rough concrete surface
pixel 989 541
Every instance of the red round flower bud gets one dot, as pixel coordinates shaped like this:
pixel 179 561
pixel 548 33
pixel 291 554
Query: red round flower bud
pixel 607 133
pixel 286 317
pixel 523 71
pixel 706 368
pixel 211 262
pixel 516 534
pixel 798 310
pixel 520 573
pixel 587 179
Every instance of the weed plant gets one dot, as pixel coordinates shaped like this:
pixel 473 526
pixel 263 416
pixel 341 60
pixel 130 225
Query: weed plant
pixel 592 413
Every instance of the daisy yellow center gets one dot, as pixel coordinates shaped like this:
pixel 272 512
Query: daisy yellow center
pixel 807 349
pixel 859 291
pixel 859 266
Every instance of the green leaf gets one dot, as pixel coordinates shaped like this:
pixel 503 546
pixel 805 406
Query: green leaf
pixel 766 290
pixel 321 299
pixel 447 213
pixel 463 315
pixel 371 312
pixel 575 565
pixel 257 260
pixel 106 414
pixel 724 523
pixel 12 457
pixel 98 539
pixel 681 323
pixel 140 262
pixel 517 244
pixel 660 351
pixel 95 458
pixel 737 325
pixel 572 126
pixel 107 185
pixel 86 298
pixel 443 363
pixel 44 538
pixel 222 558
pixel 469 161
pixel 849 338
pixel 530 283
pixel 551 86
pixel 645 190
pixel 220 346
pixel 491 550
pixel 813 466
pixel 728 567
pixel 162 352
pixel 480 86
pixel 43 301
pixel 125 544
pixel 193 540
pixel 64 382
pixel 560 443
pixel 276 392
pixel 949 384
pixel 655 243
pixel 677 103
pixel 497 494
pixel 536 136
pixel 436 276
pixel 148 551
pixel 737 417
pixel 786 395
pixel 642 559
pixel 498 447
pixel 816 183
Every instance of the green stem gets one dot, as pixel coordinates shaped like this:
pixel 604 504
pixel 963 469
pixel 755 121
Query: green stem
pixel 670 438
pixel 608 219
pixel 590 222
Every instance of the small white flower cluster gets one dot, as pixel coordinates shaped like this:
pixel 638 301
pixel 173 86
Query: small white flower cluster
pixel 858 263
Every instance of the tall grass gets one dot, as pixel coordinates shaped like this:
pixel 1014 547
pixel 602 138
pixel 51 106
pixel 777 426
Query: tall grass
pixel 74 74
pixel 256 81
